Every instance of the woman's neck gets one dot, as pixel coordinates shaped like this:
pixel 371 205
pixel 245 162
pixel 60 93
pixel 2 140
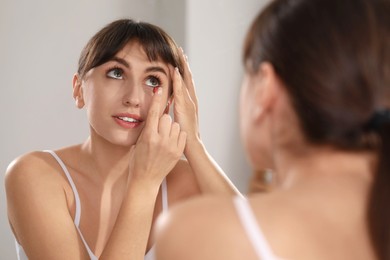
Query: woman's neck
pixel 109 161
pixel 319 163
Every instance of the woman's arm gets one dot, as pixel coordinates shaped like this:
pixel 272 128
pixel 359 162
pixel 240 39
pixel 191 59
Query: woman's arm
pixel 38 210
pixel 210 177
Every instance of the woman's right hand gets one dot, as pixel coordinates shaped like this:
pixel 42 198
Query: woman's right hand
pixel 159 146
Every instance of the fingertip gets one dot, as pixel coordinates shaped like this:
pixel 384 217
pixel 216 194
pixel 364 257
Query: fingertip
pixel 177 75
pixel 158 91
pixel 167 117
pixel 183 54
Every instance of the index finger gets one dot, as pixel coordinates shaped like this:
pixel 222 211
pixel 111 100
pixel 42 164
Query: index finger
pixel 154 111
pixel 177 82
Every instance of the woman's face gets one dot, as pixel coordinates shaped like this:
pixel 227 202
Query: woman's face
pixel 118 93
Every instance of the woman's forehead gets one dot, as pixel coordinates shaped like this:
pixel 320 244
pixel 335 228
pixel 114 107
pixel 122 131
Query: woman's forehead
pixel 135 51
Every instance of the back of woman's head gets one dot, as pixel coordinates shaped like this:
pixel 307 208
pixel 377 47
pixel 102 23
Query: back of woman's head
pixel 107 42
pixel 334 59
pixel 333 56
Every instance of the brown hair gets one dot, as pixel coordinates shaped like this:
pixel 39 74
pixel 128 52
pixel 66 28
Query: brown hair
pixel 113 37
pixel 334 58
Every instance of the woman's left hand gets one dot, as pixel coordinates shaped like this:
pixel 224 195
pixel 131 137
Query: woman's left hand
pixel 185 100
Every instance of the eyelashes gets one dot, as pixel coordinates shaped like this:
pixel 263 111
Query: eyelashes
pixel 115 73
pixel 153 81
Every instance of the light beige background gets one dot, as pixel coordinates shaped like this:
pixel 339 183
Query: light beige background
pixel 40 42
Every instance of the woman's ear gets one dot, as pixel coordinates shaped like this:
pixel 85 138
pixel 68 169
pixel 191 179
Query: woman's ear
pixel 78 91
pixel 267 88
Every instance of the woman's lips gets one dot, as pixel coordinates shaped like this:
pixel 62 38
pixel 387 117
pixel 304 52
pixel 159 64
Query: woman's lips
pixel 128 120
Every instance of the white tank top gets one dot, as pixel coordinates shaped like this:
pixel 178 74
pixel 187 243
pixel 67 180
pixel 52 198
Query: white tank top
pixel 149 256
pixel 252 229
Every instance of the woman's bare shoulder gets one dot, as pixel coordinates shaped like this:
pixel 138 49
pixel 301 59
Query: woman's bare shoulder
pixel 214 212
pixel 213 222
pixel 202 210
pixel 31 172
pixel 199 226
pixel 35 164
pixel 28 165
pixel 294 225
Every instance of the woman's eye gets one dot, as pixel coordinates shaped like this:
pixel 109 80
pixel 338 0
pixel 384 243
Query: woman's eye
pixel 115 73
pixel 153 82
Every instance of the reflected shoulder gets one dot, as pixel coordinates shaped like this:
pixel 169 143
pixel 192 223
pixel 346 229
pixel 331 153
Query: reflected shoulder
pixel 192 229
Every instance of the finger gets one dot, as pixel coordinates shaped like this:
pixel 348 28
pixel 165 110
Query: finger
pixel 154 111
pixel 175 130
pixel 183 93
pixel 178 87
pixel 188 79
pixel 164 125
pixel 182 99
pixel 187 74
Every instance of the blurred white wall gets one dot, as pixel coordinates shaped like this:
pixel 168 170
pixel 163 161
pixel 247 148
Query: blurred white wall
pixel 39 49
pixel 214 36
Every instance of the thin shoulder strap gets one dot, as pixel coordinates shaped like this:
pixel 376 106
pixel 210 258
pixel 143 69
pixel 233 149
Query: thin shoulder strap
pixel 77 201
pixel 252 229
pixel 76 194
pixel 164 193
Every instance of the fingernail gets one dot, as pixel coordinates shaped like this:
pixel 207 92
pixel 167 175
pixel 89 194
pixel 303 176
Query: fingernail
pixel 177 70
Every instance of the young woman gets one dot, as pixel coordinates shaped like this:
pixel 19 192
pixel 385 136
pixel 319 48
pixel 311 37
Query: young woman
pixel 317 85
pixel 99 199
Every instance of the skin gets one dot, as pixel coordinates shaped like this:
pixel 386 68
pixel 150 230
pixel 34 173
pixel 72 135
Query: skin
pixel 318 211
pixel 117 170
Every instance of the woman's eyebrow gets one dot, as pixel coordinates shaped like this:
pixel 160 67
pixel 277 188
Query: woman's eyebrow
pixel 156 68
pixel 121 61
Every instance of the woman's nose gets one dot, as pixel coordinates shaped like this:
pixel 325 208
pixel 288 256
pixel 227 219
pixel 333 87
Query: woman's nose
pixel 131 96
